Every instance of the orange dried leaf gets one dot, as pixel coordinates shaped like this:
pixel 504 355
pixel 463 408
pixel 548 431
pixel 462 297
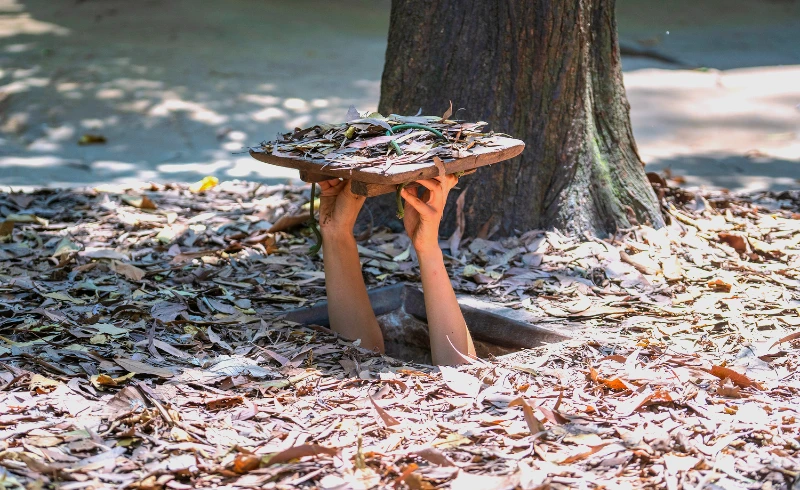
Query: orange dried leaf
pixel 407 471
pixel 720 285
pixel 223 403
pixel 737 242
pixel 245 463
pixel 738 379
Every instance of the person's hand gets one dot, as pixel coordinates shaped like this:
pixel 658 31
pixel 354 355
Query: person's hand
pixel 423 214
pixel 338 208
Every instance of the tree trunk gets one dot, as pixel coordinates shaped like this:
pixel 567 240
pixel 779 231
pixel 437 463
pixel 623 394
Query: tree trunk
pixel 545 71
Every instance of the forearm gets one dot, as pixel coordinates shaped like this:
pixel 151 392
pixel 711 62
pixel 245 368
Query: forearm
pixel 446 323
pixel 349 309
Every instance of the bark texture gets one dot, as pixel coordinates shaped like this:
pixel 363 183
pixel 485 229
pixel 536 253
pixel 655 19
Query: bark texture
pixel 545 71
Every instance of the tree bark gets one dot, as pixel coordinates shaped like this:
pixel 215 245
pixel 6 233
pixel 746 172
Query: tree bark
pixel 545 71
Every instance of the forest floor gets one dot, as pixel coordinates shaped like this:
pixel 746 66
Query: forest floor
pixel 142 346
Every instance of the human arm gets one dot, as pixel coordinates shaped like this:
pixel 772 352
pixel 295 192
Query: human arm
pixel 349 309
pixel 446 324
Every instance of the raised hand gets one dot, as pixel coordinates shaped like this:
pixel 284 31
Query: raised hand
pixel 424 213
pixel 349 309
pixel 339 207
pixel 449 335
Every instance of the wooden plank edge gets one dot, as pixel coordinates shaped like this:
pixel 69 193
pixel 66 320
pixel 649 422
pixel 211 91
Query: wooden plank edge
pixel 456 165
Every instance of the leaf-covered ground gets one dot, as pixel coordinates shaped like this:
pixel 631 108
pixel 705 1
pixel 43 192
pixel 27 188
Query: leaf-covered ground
pixel 141 346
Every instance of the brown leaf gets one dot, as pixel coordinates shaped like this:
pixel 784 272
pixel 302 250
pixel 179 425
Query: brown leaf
pixel 647 397
pixel 245 463
pixel 216 339
pixel 788 338
pixel 142 368
pixel 613 383
pixel 387 419
pixel 583 454
pixel 6 227
pixel 167 312
pixel 22 199
pixel 301 451
pixel 535 425
pixel 738 379
pixel 736 241
pixel 126 400
pixel 720 285
pixel 553 416
pixel 641 262
pixel 448 112
pixel 405 475
pixel 170 349
pixel 282 360
pixel 141 202
pixel 435 456
pixel 289 221
pixel 223 403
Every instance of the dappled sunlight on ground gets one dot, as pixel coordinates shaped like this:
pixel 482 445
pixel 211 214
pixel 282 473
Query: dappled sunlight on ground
pixel 179 88
pixel 736 129
pixel 174 102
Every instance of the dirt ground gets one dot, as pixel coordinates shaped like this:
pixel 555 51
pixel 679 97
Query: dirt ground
pixel 176 88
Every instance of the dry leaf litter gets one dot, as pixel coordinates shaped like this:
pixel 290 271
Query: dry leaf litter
pixel 141 347
pixel 371 140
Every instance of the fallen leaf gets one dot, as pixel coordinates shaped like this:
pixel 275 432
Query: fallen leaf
pixel 534 425
pixel 130 271
pixel 448 113
pixel 737 378
pixel 387 419
pixel 103 253
pixel 141 202
pixel 301 451
pixel 788 338
pixel 462 383
pixel 720 285
pixel 736 241
pixel 676 464
pixel 6 227
pixel 142 368
pixel 434 456
pixel 66 247
pixel 167 312
pixel 206 183
pixel 287 222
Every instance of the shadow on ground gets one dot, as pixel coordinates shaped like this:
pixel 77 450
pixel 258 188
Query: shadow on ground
pixel 734 172
pixel 177 88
